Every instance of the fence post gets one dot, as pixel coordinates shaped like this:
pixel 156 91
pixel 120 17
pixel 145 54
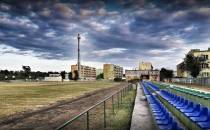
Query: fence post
pixel 113 104
pixel 121 97
pixel 87 120
pixel 118 98
pixel 104 114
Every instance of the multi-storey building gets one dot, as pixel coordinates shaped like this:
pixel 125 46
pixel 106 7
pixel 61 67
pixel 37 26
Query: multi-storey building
pixel 181 70
pixel 152 75
pixel 203 56
pixel 86 72
pixel 145 66
pixel 112 71
pixel 145 72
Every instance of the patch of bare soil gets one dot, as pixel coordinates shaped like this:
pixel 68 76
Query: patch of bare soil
pixel 51 117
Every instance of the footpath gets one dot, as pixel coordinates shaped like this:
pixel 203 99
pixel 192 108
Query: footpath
pixel 141 118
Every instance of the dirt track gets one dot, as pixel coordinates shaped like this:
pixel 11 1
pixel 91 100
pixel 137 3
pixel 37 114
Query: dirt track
pixel 53 116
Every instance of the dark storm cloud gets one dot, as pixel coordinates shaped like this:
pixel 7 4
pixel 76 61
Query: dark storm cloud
pixel 110 29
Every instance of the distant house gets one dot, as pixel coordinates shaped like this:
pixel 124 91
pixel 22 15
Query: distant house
pixel 53 77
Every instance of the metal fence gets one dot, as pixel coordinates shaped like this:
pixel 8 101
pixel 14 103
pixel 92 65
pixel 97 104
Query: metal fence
pixel 112 113
pixel 199 81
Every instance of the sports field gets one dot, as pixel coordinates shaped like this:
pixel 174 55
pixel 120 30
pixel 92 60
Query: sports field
pixel 25 96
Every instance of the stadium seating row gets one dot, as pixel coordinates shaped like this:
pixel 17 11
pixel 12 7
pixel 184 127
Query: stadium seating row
pixel 151 85
pixel 197 113
pixel 163 118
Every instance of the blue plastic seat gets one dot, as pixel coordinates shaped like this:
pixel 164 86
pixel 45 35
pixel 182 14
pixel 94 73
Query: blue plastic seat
pixel 195 113
pixel 180 103
pixel 173 99
pixel 166 116
pixel 165 121
pixel 204 125
pixel 191 108
pixel 162 116
pixel 189 105
pixel 202 117
pixel 152 86
pixel 185 103
pixel 178 100
pixel 158 109
pixel 173 126
pixel 163 112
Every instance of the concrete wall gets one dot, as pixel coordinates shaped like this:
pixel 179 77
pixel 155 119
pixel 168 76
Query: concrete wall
pixel 53 78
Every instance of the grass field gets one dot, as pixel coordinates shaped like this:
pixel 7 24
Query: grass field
pixel 118 114
pixel 18 97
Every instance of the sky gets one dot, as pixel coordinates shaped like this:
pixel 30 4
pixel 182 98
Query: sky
pixel 43 33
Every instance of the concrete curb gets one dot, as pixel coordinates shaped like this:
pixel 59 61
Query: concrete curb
pixel 141 118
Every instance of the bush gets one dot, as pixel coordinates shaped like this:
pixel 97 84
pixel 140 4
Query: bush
pixel 134 81
pixel 117 79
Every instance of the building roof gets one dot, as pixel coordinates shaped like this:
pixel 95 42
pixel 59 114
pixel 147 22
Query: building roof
pixel 198 50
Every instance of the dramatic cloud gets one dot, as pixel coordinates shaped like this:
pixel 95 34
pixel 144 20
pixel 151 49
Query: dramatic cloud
pixel 120 32
pixel 109 51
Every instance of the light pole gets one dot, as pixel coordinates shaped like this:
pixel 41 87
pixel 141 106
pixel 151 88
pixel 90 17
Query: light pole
pixel 78 62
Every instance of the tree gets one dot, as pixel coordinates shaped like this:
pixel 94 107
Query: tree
pixel 27 71
pixel 6 72
pixel 76 75
pixel 100 76
pixel 117 79
pixel 192 65
pixel 63 75
pixel 70 76
pixel 166 74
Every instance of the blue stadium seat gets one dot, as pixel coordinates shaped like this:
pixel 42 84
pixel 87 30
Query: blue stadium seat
pixel 202 117
pixel 172 126
pixel 184 104
pixel 162 116
pixel 196 112
pixel 191 108
pixel 205 125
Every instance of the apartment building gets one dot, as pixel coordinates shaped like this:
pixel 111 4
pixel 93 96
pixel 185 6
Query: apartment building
pixel 112 71
pixel 203 56
pixel 87 72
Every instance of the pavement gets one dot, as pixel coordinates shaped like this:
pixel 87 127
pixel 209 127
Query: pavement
pixel 141 118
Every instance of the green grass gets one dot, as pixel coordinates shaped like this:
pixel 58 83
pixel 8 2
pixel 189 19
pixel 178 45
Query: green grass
pixel 118 118
pixel 122 119
pixel 18 97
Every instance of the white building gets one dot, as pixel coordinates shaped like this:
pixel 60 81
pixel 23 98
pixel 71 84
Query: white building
pixel 53 77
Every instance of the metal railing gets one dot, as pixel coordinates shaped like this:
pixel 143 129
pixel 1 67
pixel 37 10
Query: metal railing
pixel 205 81
pixel 105 113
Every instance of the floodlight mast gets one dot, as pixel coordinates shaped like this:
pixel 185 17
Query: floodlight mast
pixel 78 60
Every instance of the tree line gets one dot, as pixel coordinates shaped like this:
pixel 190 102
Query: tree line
pixel 12 75
pixel 26 73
